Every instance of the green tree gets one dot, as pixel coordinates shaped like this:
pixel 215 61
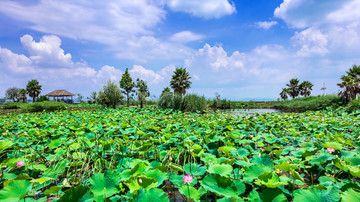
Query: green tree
pixel 142 91
pixel 293 88
pixel 12 94
pixel 80 97
pixel 180 81
pixel 284 93
pixel 92 97
pixel 350 84
pixel 127 85
pixel 33 88
pixel 110 95
pixel 22 94
pixel 165 91
pixel 305 88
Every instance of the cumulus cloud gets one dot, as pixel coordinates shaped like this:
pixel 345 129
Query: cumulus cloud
pixel 203 8
pixel 185 37
pixel 304 13
pixel 311 41
pixel 266 24
pixel 104 22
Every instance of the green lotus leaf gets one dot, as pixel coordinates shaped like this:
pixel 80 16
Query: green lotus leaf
pixel 254 196
pixel 336 145
pixel 350 195
pixel 264 160
pixel 157 174
pixel 104 185
pixel 316 195
pixel 139 168
pixel 270 180
pixel 52 190
pixel 221 169
pixel 74 194
pixel 240 187
pixel 5 145
pixel 225 199
pixel 286 166
pixel 322 158
pixel 254 171
pixel 145 183
pixel 15 191
pixel 226 149
pixel 273 195
pixel 326 181
pixel 151 195
pixel 194 193
pixel 220 185
pixel 194 169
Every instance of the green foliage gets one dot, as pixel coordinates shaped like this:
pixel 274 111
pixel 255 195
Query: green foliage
pixel 127 85
pixel 165 91
pixel 180 81
pixel 135 154
pixel 48 106
pixel 350 84
pixel 142 91
pixel 12 105
pixel 189 102
pixel 13 94
pixel 294 89
pixel 354 105
pixel 310 103
pixel 42 98
pixel 110 95
pixel 33 88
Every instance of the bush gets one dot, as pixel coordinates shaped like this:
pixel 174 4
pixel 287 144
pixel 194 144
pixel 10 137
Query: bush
pixel 189 102
pixel 110 95
pixel 353 106
pixel 49 106
pixel 12 105
pixel 311 103
pixel 42 98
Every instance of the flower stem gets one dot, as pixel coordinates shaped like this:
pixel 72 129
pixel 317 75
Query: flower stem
pixel 188 191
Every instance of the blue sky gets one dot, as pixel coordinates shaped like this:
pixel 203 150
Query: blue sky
pixel 240 49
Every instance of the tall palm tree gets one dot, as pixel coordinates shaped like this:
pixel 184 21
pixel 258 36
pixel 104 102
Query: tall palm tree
pixel 305 88
pixel 293 88
pixel 350 83
pixel 180 81
pixel 284 93
pixel 33 88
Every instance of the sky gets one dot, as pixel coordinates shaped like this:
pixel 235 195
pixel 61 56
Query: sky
pixel 240 49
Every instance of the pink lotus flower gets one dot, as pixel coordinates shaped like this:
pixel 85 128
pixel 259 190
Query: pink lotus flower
pixel 140 180
pixel 187 179
pixel 140 124
pixel 19 164
pixel 330 150
pixel 104 125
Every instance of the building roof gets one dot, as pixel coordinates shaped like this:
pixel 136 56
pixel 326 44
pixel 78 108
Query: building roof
pixel 60 93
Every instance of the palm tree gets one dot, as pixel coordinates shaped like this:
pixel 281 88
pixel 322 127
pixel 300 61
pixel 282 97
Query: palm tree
pixel 284 93
pixel 293 88
pixel 22 94
pixel 180 81
pixel 350 83
pixel 33 89
pixel 305 88
pixel 350 88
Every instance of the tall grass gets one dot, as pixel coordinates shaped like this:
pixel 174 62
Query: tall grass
pixel 189 102
pixel 311 103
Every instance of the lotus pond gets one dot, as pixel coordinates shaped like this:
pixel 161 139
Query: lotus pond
pixel 146 154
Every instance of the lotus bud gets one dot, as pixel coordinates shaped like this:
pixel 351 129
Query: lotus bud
pixel 19 164
pixel 330 150
pixel 140 180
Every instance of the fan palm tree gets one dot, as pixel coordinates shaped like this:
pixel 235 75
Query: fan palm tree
pixel 180 81
pixel 284 93
pixel 350 88
pixel 33 89
pixel 305 88
pixel 293 88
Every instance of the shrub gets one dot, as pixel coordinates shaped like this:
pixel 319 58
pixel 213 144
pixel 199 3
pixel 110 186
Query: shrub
pixel 353 106
pixel 189 102
pixel 311 103
pixel 49 106
pixel 12 105
pixel 42 98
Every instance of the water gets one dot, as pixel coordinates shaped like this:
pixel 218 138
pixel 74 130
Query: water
pixel 242 112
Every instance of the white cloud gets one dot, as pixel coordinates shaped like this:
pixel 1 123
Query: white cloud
pixel 311 41
pixel 266 24
pixel 203 8
pixel 185 37
pixel 305 13
pixel 106 22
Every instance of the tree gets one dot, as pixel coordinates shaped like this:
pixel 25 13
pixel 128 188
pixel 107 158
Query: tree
pixel 110 95
pixel 350 84
pixel 33 88
pixel 12 94
pixel 180 81
pixel 293 88
pixel 165 91
pixel 305 88
pixel 142 91
pixel 80 97
pixel 22 94
pixel 92 97
pixel 284 93
pixel 127 85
